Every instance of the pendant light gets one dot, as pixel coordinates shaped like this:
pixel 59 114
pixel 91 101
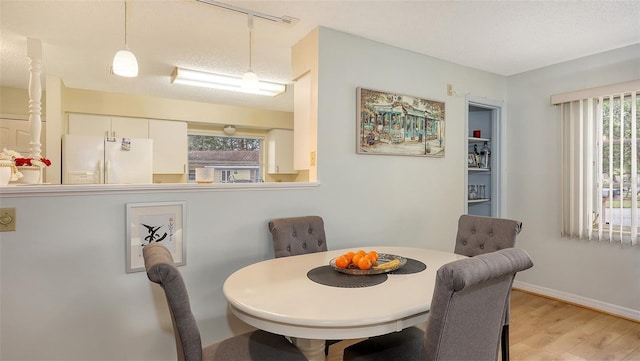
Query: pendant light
pixel 124 62
pixel 250 82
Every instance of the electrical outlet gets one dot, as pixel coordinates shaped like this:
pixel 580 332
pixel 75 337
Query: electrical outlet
pixel 313 159
pixel 7 219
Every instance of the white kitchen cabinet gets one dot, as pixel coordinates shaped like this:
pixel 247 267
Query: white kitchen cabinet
pixel 280 152
pixel 108 126
pixel 170 146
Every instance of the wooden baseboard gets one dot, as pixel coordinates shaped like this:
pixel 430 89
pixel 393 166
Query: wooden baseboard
pixel 595 305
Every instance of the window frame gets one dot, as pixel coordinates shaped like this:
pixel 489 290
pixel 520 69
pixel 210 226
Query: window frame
pixel 599 222
pixel 261 172
pixel 583 200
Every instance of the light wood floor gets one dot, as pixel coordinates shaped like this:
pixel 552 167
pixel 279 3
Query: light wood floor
pixel 544 329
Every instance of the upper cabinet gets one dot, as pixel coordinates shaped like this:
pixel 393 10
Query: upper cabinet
pixel 170 141
pixel 170 146
pixel 108 126
pixel 280 152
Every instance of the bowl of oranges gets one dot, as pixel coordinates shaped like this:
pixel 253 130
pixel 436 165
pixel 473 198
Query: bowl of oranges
pixel 363 262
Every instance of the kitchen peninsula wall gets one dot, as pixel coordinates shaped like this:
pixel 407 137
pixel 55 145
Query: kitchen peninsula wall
pixel 63 100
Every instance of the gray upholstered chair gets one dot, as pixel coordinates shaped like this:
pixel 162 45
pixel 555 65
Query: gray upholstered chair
pixel 467 312
pixel 479 235
pixel 256 345
pixel 297 235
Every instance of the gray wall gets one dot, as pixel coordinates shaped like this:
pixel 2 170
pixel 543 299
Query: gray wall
pixel 65 295
pixel 599 271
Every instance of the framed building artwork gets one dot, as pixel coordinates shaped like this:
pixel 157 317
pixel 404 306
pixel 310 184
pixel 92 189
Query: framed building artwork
pixel 161 222
pixel 398 124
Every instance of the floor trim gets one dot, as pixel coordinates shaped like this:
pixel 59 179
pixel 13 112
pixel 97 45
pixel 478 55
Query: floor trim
pixel 615 310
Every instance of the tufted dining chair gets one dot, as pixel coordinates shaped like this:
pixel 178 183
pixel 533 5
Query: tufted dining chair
pixel 297 235
pixel 467 312
pixel 478 235
pixel 251 346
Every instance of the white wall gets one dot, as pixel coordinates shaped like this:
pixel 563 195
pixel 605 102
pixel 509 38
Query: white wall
pixel 64 292
pixel 597 274
pixel 399 199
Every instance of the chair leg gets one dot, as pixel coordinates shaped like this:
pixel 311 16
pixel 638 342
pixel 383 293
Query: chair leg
pixel 505 343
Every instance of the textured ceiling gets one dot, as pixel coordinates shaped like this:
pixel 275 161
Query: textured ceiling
pixel 80 37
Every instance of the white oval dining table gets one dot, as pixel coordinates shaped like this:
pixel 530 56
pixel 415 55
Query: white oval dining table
pixel 277 296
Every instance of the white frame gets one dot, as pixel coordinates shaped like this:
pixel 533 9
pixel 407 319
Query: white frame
pixel 498 148
pixel 171 215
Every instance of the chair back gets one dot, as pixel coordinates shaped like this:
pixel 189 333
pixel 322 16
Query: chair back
pixel 297 235
pixel 469 303
pixel 160 269
pixel 478 235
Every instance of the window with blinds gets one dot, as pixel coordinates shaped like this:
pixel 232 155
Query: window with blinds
pixel 600 182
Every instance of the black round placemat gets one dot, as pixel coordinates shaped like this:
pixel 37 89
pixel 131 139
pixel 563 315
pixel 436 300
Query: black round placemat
pixel 325 275
pixel 412 266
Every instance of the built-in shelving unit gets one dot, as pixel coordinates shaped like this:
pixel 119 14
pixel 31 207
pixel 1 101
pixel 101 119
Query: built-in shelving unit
pixel 482 200
pixel 484 118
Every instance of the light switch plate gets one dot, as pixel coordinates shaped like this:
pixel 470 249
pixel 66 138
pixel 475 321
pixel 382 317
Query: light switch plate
pixel 7 219
pixel 312 161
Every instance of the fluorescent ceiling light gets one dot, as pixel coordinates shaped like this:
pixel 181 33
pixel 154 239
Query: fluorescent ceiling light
pixel 223 82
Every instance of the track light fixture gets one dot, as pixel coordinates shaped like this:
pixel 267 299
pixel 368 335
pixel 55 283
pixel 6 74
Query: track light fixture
pixel 250 79
pixel 288 20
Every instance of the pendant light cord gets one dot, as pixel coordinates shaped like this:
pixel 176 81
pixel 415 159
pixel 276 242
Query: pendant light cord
pixel 125 25
pixel 250 25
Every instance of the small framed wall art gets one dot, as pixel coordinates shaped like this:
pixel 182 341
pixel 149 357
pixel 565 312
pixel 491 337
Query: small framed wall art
pixel 398 124
pixel 472 161
pixel 162 222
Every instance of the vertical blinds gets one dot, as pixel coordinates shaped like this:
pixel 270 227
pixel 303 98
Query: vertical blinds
pixel 600 166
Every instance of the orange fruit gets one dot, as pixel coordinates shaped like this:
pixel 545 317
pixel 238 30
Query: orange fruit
pixel 356 259
pixel 349 255
pixel 342 262
pixel 364 263
pixel 373 255
pixel 371 259
pixel 361 251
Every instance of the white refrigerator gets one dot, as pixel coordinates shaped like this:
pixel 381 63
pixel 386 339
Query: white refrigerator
pixel 95 160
